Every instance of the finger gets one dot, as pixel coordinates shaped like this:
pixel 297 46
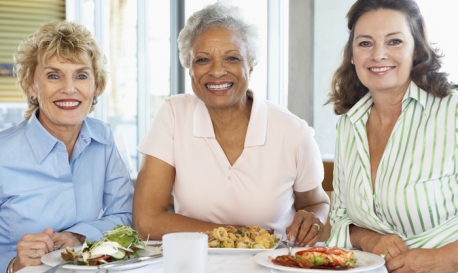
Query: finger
pixel 313 235
pixel 395 263
pixel 294 228
pixel 401 245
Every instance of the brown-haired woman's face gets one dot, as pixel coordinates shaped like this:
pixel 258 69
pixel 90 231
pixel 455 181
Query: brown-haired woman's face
pixel 64 91
pixel 383 50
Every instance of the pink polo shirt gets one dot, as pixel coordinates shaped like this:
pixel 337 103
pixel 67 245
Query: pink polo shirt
pixel 280 156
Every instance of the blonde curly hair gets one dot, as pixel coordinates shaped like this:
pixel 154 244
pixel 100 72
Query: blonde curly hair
pixel 67 40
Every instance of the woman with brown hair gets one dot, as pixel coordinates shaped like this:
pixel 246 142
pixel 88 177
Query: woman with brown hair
pixel 396 164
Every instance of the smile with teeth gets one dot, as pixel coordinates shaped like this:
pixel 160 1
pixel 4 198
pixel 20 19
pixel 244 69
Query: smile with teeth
pixel 219 86
pixel 380 69
pixel 67 103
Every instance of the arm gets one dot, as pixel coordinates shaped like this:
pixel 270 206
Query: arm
pixel 151 217
pixel 312 209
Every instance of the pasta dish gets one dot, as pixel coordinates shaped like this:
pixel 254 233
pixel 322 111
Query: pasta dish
pixel 245 237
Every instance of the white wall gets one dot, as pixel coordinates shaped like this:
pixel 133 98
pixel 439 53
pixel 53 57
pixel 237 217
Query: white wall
pixel 330 36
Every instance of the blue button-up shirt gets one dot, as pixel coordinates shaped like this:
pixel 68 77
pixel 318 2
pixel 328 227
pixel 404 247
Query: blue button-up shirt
pixel 40 187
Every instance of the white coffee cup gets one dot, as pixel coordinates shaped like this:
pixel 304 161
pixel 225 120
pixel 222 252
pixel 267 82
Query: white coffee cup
pixel 185 252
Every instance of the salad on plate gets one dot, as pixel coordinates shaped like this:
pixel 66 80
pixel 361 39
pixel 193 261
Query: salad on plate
pixel 119 243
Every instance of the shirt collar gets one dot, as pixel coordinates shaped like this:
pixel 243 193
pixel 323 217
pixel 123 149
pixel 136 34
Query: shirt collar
pixel 257 126
pixel 42 142
pixel 416 93
pixel 365 103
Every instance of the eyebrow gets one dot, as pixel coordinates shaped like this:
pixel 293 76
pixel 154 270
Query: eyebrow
pixel 202 52
pixel 370 37
pixel 78 70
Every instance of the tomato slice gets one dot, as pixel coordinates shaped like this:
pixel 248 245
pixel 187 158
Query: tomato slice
pixel 96 261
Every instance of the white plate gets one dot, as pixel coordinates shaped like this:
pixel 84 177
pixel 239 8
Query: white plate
pixel 366 261
pixel 216 250
pixel 54 258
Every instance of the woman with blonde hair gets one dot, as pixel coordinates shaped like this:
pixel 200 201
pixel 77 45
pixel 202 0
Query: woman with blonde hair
pixel 62 180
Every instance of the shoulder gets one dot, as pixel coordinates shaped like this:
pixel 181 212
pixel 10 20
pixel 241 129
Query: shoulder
pixel 13 131
pixel 98 129
pixel 282 115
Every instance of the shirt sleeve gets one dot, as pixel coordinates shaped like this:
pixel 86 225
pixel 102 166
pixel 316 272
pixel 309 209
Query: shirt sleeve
pixel 310 170
pixel 4 261
pixel 340 221
pixel 158 142
pixel 117 199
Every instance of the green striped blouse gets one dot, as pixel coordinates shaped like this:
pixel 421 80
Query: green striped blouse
pixel 416 188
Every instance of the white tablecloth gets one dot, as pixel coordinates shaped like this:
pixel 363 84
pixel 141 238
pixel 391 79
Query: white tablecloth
pixel 217 263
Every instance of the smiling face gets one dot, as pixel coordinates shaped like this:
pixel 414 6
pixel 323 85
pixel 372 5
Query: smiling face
pixel 383 50
pixel 219 70
pixel 64 91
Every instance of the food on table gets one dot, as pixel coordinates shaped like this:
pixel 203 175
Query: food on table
pixel 69 254
pixel 245 237
pixel 120 243
pixel 318 257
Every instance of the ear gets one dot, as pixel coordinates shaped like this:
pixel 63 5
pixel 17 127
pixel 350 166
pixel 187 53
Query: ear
pixel 32 92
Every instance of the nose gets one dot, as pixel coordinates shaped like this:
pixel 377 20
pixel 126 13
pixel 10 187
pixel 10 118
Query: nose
pixel 68 85
pixel 379 53
pixel 218 69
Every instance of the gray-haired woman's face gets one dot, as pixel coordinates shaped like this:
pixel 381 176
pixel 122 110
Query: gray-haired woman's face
pixel 219 68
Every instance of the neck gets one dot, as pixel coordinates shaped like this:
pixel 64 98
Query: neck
pixel 230 118
pixel 388 104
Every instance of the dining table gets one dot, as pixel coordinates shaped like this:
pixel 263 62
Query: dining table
pixel 216 262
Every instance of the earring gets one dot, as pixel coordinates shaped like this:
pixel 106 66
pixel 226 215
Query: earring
pixel 94 101
pixel 33 101
pixel 352 62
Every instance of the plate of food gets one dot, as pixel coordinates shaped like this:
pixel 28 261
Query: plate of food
pixel 245 240
pixel 118 244
pixel 318 259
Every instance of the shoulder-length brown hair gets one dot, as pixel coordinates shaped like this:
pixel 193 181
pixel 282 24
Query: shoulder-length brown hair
pixel 347 89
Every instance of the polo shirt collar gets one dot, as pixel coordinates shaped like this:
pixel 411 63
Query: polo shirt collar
pixel 42 142
pixel 257 126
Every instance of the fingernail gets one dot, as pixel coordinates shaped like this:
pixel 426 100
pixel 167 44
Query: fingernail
pixel 307 245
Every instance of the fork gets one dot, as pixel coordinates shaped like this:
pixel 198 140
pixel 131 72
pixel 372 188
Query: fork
pixel 289 244
pixel 54 269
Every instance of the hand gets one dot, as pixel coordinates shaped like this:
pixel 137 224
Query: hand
pixel 32 247
pixel 64 239
pixel 305 230
pixel 420 260
pixel 389 245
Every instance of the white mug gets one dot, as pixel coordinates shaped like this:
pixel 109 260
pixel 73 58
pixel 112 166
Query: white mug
pixel 185 252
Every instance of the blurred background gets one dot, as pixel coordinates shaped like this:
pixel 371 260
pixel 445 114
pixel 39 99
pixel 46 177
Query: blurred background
pixel 302 43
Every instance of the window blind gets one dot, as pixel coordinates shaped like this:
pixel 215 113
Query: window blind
pixel 19 19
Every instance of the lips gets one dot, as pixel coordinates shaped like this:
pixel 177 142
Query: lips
pixel 67 104
pixel 221 86
pixel 381 69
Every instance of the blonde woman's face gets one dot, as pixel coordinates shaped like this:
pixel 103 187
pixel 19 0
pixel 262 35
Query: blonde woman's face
pixel 219 68
pixel 64 91
pixel 383 50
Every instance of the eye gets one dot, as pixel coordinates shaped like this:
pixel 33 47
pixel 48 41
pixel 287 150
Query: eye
pixel 53 76
pixel 201 60
pixel 395 42
pixel 364 44
pixel 233 59
pixel 82 76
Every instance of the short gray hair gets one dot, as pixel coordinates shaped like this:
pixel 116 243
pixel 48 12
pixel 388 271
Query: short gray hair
pixel 220 14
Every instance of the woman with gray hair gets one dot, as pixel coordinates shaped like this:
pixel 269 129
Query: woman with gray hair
pixel 229 157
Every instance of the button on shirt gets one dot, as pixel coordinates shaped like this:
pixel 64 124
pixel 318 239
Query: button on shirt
pixel 280 156
pixel 416 185
pixel 40 188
